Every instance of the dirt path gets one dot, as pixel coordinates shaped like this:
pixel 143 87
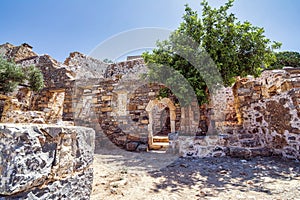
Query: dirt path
pixel 151 176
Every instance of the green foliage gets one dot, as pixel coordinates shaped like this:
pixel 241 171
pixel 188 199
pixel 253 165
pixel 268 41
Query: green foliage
pixel 35 78
pixel 286 58
pixel 106 60
pixel 164 93
pixel 12 75
pixel 237 49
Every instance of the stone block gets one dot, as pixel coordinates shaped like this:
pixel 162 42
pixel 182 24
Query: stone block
pixel 40 161
pixel 120 140
pixel 135 137
pixel 264 151
pixel 94 100
pixel 151 94
pixel 142 148
pixel 250 143
pixel 239 152
pixel 85 146
pixel 106 109
pixel 132 107
pixel 290 152
pixel 23 160
pixel 77 186
pixel 139 107
pixel 145 121
pixel 132 146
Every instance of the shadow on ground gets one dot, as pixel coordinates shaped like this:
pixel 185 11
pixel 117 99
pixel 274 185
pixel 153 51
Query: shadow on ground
pixel 210 177
pixel 220 174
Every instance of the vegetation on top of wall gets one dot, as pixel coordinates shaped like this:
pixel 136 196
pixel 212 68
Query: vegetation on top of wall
pixel 237 49
pixel 106 60
pixel 13 75
pixel 286 59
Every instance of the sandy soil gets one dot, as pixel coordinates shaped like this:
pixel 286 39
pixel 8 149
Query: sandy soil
pixel 155 176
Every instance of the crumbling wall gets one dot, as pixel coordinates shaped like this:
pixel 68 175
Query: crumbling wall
pixel 16 53
pixel 117 104
pixel 85 67
pixel 117 70
pixel 265 122
pixel 45 162
pixel 15 111
pixel 58 79
pixel 269 111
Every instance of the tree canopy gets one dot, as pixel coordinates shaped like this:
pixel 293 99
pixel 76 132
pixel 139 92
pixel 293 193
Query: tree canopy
pixel 286 58
pixel 236 48
pixel 13 75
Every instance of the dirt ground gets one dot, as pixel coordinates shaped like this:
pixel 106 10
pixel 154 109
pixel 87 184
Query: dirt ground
pixel 157 176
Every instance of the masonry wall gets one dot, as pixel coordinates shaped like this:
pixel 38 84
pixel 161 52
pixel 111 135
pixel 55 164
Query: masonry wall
pixel 117 104
pixel 269 111
pixel 261 118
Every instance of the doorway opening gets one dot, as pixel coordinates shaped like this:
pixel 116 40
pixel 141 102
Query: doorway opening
pixel 162 121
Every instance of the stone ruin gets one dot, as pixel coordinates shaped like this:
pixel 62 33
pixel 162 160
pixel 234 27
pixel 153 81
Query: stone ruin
pixel 41 156
pixel 260 116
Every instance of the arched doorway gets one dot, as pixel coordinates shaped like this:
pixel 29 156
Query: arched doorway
pixel 162 121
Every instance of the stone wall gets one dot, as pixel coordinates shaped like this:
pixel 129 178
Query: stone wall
pixel 117 70
pixel 58 79
pixel 85 67
pixel 17 53
pixel 45 162
pixel 269 111
pixel 265 119
pixel 118 115
pixel 115 106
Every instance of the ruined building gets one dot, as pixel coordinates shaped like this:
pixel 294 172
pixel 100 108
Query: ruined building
pixel 260 117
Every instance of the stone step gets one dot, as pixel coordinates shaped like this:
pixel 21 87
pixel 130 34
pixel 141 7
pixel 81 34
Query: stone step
pixel 163 139
pixel 159 146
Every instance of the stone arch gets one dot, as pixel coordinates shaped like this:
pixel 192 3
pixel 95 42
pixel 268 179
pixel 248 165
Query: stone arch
pixel 161 104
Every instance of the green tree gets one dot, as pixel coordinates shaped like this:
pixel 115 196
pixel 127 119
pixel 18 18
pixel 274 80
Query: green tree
pixel 13 75
pixel 106 60
pixel 286 58
pixel 237 49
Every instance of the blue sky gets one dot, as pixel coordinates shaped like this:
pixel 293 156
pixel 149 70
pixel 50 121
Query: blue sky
pixel 60 27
